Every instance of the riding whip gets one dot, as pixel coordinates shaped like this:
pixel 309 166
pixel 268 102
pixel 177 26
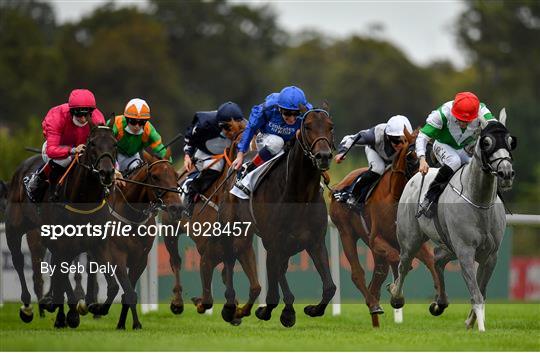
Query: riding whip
pixel 176 138
pixel 230 172
pixel 351 146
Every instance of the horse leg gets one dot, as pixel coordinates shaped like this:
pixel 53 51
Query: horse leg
pixel 442 257
pixel 129 298
pixel 229 308
pixel 72 318
pixel 37 252
pixel 177 304
pixel 288 314
pixel 14 240
pixel 484 272
pixel 319 255
pixel 103 257
pixel 380 272
pixel 272 296
pixel 465 255
pixel 358 276
pixel 135 272
pixel 58 288
pixel 207 264
pixel 409 247
pixel 249 265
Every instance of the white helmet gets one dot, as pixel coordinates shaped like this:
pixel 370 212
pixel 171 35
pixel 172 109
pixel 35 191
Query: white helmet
pixel 395 125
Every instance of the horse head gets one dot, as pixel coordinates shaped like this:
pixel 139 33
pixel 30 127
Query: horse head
pixel 100 154
pixel 161 173
pixel 316 135
pixel 494 148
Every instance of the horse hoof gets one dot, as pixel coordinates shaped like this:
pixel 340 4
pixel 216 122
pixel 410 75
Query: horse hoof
pixel 177 309
pixel 236 321
pixel 288 318
pixel 313 311
pixel 96 317
pixel 228 311
pixel 26 315
pixel 98 309
pixel 120 327
pixel 41 312
pixel 241 312
pixel 263 314
pixel 82 308
pixel 137 326
pixel 397 303
pixel 376 309
pixel 60 321
pixel 436 309
pixel 73 320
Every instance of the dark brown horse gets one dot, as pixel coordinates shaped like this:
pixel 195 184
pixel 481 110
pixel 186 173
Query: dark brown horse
pixel 150 188
pixel 213 251
pixel 379 230
pixel 80 201
pixel 288 212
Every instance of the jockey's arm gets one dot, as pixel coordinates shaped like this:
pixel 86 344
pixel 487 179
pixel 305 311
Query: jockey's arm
pixel 155 143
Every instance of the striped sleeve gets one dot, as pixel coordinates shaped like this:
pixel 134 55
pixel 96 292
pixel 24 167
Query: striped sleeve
pixel 485 113
pixel 155 143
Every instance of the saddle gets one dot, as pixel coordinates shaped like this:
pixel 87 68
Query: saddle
pixel 344 194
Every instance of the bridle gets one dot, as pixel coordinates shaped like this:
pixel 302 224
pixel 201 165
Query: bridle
pixel 93 167
pixel 410 168
pixel 308 152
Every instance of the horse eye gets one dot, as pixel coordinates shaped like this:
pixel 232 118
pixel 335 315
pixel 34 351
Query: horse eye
pixel 487 142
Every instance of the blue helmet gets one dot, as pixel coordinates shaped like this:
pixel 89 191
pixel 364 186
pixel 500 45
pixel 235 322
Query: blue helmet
pixel 228 111
pixel 291 97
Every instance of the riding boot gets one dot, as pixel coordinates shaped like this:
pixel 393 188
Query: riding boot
pixel 361 188
pixel 263 156
pixel 36 184
pixel 199 185
pixel 428 206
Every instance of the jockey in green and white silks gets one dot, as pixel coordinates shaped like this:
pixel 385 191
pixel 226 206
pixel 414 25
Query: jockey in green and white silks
pixel 381 142
pixel 454 127
pixel 134 132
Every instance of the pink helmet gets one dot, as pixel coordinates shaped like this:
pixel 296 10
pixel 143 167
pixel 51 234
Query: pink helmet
pixel 81 98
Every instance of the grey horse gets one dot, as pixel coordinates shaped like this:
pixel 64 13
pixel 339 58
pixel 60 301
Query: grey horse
pixel 470 220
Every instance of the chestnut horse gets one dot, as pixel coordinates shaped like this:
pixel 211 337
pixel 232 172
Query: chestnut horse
pixel 288 212
pixel 150 188
pixel 379 229
pixel 213 251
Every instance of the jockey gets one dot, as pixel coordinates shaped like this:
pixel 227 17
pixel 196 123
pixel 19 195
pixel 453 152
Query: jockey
pixel 454 126
pixel 276 121
pixel 205 142
pixel 382 143
pixel 66 130
pixel 134 132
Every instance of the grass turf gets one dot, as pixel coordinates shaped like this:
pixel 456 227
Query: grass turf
pixel 512 327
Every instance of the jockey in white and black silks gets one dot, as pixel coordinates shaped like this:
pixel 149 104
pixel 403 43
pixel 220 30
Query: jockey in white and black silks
pixel 275 122
pixel 205 142
pixel 381 142
pixel 454 127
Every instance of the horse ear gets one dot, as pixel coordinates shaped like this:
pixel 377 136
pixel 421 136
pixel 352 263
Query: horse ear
pixel 111 121
pixel 502 116
pixel 407 134
pixel 302 108
pixel 326 106
pixel 168 153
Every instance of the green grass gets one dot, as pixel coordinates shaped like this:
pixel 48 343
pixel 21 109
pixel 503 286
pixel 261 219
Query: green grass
pixel 512 327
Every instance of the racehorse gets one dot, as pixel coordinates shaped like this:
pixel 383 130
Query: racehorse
pixel 150 188
pixel 469 223
pixel 213 252
pixel 377 227
pixel 288 212
pixel 81 194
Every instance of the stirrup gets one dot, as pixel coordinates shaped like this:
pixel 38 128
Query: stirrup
pixel 354 204
pixel 427 209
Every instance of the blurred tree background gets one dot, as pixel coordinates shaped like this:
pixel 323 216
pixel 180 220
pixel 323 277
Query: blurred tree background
pixel 184 56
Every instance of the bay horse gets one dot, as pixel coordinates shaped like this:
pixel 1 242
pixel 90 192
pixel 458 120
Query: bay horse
pixel 81 199
pixel 288 212
pixel 469 223
pixel 213 251
pixel 150 188
pixel 377 229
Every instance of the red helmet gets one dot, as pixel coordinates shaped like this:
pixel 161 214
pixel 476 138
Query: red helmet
pixel 465 106
pixel 81 98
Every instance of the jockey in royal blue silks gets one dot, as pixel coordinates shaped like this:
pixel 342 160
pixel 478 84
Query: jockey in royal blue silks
pixel 275 121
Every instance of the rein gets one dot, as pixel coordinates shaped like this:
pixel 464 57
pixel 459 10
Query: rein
pixel 308 152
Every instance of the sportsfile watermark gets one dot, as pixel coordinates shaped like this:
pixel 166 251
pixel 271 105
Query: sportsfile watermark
pixel 120 229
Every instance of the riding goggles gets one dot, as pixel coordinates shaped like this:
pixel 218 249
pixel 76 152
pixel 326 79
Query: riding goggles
pixel 395 140
pixel 81 111
pixel 136 122
pixel 287 112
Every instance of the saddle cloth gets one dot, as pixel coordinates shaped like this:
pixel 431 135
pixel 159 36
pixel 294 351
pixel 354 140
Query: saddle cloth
pixel 245 187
